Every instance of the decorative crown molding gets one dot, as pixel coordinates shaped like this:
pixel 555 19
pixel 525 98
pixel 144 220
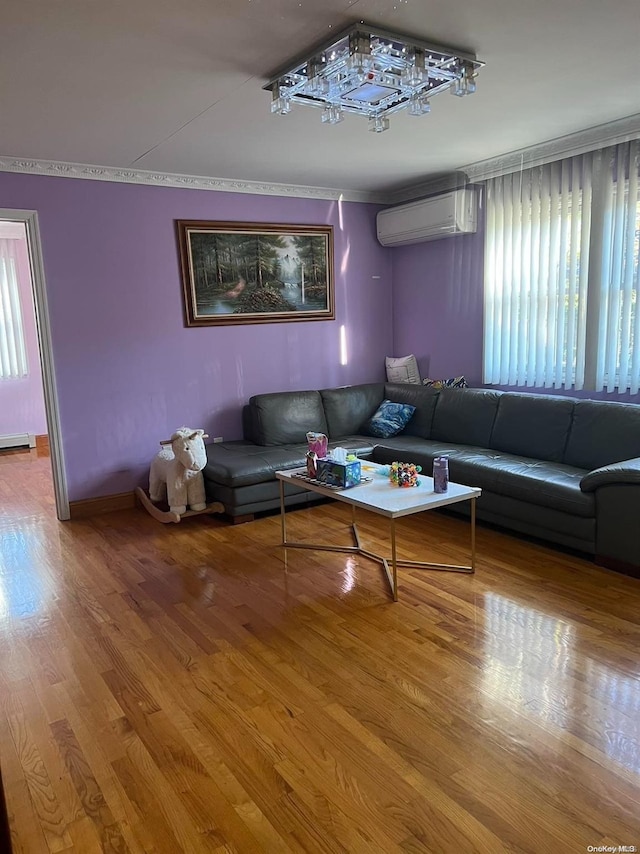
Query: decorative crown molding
pixel 430 187
pixel 573 144
pixel 600 136
pixel 60 169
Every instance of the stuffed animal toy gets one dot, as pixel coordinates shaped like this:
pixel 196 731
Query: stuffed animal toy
pixel 176 471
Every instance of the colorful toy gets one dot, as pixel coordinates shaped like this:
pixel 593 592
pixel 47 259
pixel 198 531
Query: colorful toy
pixel 404 474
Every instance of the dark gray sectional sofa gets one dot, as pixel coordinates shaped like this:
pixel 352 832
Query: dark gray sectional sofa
pixel 558 468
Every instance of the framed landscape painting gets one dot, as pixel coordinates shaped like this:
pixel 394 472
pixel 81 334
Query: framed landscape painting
pixel 238 272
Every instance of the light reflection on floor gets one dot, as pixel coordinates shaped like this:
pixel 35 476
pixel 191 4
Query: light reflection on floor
pixel 534 664
pixel 349 575
pixel 618 696
pixel 28 531
pixel 24 584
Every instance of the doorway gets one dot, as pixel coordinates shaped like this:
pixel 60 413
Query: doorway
pixel 26 357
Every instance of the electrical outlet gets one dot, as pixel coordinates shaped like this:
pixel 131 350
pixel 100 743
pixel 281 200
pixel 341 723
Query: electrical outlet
pixel 218 439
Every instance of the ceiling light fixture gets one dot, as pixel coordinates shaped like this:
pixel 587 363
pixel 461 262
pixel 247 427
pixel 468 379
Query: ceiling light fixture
pixel 373 73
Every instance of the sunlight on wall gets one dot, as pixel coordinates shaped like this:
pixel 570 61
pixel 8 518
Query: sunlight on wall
pixel 345 258
pixel 347 251
pixel 344 355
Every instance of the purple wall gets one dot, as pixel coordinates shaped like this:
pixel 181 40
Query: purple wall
pixel 438 311
pixel 22 400
pixel 128 372
pixel 437 306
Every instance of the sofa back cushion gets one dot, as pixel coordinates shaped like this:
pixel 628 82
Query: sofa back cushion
pixel 248 431
pixel 284 417
pixel 424 400
pixel 533 425
pixel 465 416
pixel 603 433
pixel 347 409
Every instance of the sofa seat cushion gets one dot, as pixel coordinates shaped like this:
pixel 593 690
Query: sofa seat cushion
pixel 409 449
pixel 242 463
pixel 422 453
pixel 357 444
pixel 553 485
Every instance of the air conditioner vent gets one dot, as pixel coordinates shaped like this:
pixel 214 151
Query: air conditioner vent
pixel 429 219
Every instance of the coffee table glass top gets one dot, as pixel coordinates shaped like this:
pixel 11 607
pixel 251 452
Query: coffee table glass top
pixel 381 497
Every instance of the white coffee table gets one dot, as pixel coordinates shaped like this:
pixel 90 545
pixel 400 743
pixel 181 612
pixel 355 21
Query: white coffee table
pixel 380 497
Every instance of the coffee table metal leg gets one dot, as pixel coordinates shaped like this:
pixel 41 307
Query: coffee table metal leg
pixel 450 567
pixel 283 524
pixel 390 573
pixel 473 535
pixel 354 529
pixel 391 565
pixel 394 561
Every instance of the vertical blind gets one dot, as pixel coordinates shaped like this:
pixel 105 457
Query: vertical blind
pixel 13 355
pixel 617 361
pixel 561 273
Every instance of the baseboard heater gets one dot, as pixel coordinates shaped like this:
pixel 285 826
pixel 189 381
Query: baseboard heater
pixel 18 440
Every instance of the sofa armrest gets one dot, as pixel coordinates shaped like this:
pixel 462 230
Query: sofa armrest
pixel 627 471
pixel 617 513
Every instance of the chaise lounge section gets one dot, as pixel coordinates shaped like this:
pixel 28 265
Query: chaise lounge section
pixel 241 474
pixel 557 468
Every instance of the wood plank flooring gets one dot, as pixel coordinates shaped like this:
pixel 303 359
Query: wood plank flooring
pixel 193 688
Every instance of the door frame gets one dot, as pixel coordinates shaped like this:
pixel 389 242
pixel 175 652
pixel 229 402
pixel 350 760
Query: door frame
pixel 43 325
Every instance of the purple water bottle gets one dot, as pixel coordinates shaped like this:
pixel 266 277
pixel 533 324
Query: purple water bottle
pixel 440 474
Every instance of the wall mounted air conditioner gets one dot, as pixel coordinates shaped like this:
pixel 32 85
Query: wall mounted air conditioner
pixel 429 219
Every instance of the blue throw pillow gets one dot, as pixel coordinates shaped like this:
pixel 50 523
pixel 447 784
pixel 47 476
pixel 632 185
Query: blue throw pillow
pixel 389 419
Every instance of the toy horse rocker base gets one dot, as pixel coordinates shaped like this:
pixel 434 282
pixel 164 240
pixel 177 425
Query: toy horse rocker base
pixel 176 476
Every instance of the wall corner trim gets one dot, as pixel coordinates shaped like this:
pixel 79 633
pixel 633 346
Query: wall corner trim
pixel 59 169
pixel 88 507
pixel 588 139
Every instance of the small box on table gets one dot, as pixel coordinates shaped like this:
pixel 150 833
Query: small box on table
pixel 339 474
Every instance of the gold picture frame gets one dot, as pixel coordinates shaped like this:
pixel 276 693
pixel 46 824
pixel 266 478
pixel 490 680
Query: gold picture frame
pixel 248 272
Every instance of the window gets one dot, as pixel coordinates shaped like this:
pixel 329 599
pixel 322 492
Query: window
pixel 617 352
pixel 561 274
pixel 13 356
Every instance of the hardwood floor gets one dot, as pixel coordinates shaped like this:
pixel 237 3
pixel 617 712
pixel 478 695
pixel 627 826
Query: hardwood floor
pixel 192 688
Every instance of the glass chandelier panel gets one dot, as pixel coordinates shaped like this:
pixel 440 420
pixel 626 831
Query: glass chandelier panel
pixel 373 73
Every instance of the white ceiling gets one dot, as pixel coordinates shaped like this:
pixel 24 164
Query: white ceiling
pixel 176 85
